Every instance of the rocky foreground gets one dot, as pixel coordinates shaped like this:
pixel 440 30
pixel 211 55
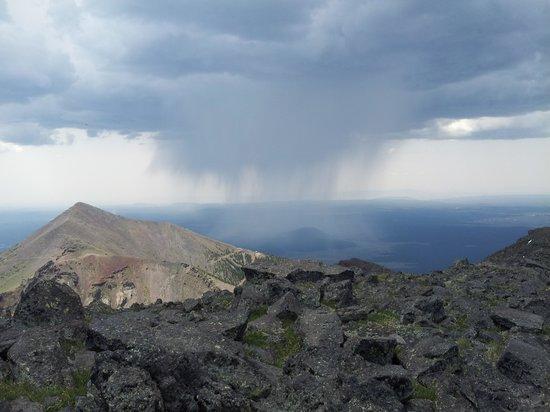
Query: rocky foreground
pixel 295 336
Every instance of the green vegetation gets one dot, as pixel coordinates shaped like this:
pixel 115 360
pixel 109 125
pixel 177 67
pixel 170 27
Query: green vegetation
pixel 227 270
pixel 461 322
pixel 383 317
pixel 66 396
pixel 288 346
pixel 493 300
pixel 224 301
pixel 424 392
pixel 256 338
pixel 329 304
pixel 258 393
pixel 383 277
pixel 464 343
pixel 257 313
pixel 305 285
pixel 494 350
pixel 289 343
pixel 70 347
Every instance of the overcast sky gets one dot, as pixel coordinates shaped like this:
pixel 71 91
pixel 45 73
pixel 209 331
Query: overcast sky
pixel 123 101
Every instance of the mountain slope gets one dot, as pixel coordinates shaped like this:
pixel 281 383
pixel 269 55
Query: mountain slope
pixel 533 250
pixel 106 251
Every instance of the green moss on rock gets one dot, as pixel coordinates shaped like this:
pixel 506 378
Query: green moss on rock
pixel 66 396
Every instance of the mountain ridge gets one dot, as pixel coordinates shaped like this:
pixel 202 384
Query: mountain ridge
pixel 98 246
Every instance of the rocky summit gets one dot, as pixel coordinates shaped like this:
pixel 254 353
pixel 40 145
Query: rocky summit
pixel 295 335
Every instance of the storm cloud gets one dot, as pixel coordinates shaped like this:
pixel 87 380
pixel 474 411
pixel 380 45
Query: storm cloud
pixel 273 89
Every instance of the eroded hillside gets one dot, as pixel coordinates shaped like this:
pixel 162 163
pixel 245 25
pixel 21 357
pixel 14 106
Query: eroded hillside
pixel 123 261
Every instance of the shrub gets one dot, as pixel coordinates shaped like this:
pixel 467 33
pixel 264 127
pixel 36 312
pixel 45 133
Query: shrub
pixel 288 346
pixel 256 338
pixel 464 343
pixel 424 392
pixel 257 313
pixel 383 317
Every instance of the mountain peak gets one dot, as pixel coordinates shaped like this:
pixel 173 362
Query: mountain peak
pixel 86 211
pixel 110 251
pixel 84 207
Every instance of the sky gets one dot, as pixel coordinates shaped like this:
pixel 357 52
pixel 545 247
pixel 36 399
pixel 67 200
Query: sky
pixel 135 101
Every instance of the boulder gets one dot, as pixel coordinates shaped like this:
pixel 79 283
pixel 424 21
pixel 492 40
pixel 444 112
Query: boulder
pixel 132 389
pixel 266 293
pixel 300 275
pixel 4 370
pixel 10 332
pixel 396 377
pixel 525 363
pixel 433 307
pixel 353 313
pixel 373 395
pixel 46 302
pixel 433 355
pixel 287 307
pixel 194 365
pixel 380 350
pixel 38 357
pixel 509 318
pixel 231 323
pixel 191 304
pixel 338 294
pixel 321 328
pixel 310 296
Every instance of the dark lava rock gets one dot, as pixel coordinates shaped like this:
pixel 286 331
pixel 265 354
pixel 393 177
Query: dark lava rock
pixel 378 350
pixel 366 267
pixel 321 328
pixel 287 307
pixel 434 307
pixel 10 332
pixel 397 378
pixel 4 370
pixel 38 357
pixel 131 389
pixel 353 313
pixel 525 363
pixel 508 318
pixel 44 301
pixel 433 355
pixel 20 405
pixel 300 335
pixel 338 294
pixel 532 250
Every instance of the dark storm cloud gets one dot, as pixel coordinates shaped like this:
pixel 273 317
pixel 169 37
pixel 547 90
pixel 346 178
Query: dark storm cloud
pixel 268 20
pixel 276 85
pixel 29 66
